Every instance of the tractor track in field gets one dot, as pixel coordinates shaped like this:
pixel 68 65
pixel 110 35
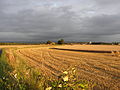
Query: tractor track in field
pixel 43 64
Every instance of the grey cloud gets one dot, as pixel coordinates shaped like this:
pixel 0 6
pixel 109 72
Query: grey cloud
pixel 108 6
pixel 108 2
pixel 50 36
pixel 29 20
pixel 45 19
pixel 102 25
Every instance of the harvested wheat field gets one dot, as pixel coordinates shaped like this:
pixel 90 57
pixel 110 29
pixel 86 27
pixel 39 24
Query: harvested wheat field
pixel 94 63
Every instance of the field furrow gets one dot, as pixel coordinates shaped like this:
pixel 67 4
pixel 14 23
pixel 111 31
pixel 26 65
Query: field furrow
pixel 100 68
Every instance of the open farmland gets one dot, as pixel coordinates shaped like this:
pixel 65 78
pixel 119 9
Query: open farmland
pixel 98 67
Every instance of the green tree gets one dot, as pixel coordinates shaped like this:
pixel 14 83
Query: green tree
pixel 61 41
pixel 49 42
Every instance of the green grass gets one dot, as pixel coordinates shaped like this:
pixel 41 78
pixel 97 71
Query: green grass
pixel 6 81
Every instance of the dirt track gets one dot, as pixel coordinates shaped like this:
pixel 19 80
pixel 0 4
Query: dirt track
pixel 101 68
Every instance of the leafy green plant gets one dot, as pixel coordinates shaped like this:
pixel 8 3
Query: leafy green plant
pixel 68 81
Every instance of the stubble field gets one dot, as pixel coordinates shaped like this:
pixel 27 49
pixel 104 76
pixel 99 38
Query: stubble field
pixel 92 62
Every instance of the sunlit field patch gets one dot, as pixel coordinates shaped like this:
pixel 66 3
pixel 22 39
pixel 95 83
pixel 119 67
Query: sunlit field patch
pixel 41 67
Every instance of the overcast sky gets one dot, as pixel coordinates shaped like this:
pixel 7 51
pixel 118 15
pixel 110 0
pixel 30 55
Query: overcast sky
pixel 76 20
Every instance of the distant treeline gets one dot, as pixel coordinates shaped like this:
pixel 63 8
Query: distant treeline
pixel 61 41
pixel 94 43
pixel 104 43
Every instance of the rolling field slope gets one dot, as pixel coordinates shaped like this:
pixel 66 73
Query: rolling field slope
pixel 100 68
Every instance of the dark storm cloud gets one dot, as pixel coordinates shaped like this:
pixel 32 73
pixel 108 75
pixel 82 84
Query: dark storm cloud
pixel 50 36
pixel 72 20
pixel 28 21
pixel 102 25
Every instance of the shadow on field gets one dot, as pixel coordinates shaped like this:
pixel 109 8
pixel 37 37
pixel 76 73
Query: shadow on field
pixel 92 51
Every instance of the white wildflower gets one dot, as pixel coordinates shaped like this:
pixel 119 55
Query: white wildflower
pixel 15 75
pixel 3 77
pixel 65 78
pixel 49 88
